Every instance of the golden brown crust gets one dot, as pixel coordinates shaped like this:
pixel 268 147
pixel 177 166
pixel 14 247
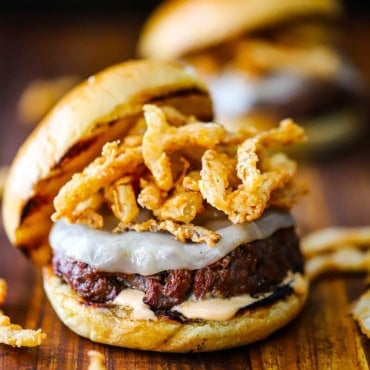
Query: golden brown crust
pixel 113 326
pixel 72 134
pixel 181 26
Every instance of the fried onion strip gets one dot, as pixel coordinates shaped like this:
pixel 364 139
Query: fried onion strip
pixel 259 171
pixel 332 238
pixel 150 196
pixel 214 182
pixel 191 181
pixel 86 212
pixel 181 232
pixel 122 197
pixel 88 217
pixel 172 165
pixel 175 117
pixel 342 249
pixel 288 196
pixel 97 360
pixel 346 259
pixel 182 207
pixel 15 336
pixel 114 162
pixel 162 138
pixel 361 313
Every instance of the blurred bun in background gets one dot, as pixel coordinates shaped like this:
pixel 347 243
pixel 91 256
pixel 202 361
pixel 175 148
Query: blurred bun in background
pixel 40 95
pixel 264 61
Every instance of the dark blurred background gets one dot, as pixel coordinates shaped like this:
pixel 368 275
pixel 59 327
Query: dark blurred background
pixel 44 40
pixel 141 6
pixel 85 6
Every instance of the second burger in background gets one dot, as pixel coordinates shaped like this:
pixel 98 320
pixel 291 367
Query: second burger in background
pixel 264 61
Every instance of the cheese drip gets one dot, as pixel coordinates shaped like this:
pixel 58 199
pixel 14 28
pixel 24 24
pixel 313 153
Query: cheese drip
pixel 148 253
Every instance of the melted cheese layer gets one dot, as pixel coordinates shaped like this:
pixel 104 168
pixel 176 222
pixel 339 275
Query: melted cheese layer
pixel 148 253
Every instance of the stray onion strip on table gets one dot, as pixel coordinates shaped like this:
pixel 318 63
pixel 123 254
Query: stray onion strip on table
pixel 361 313
pixel 14 335
pixel 97 360
pixel 341 249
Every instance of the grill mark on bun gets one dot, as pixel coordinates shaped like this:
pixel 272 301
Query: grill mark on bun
pixel 178 93
pixel 85 144
pixel 76 150
pixel 185 95
pixel 279 292
pixel 26 250
pixel 38 251
pixel 33 205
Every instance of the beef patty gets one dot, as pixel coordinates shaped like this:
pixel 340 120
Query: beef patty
pixel 251 268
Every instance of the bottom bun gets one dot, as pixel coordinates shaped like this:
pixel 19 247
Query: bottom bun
pixel 113 325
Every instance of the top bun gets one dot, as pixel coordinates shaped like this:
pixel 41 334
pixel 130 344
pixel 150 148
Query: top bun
pixel 98 110
pixel 178 27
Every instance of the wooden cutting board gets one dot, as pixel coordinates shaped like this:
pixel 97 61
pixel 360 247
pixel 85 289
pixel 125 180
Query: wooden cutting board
pixel 323 336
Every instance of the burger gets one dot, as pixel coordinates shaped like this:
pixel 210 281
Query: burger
pixel 264 61
pixel 155 228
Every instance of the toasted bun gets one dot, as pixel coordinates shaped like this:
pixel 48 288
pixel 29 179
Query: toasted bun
pixel 178 27
pixel 114 326
pixel 99 110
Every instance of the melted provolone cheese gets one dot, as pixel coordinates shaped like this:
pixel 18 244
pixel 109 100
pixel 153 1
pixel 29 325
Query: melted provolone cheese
pixel 148 253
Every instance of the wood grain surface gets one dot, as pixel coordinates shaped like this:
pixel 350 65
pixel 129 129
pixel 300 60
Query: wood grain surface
pixel 323 336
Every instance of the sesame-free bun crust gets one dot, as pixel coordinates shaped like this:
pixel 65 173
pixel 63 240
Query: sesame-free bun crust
pixel 101 109
pixel 115 327
pixel 178 27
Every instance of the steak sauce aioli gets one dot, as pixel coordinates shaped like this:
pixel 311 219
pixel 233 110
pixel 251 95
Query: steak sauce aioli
pixel 216 309
pixel 148 253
